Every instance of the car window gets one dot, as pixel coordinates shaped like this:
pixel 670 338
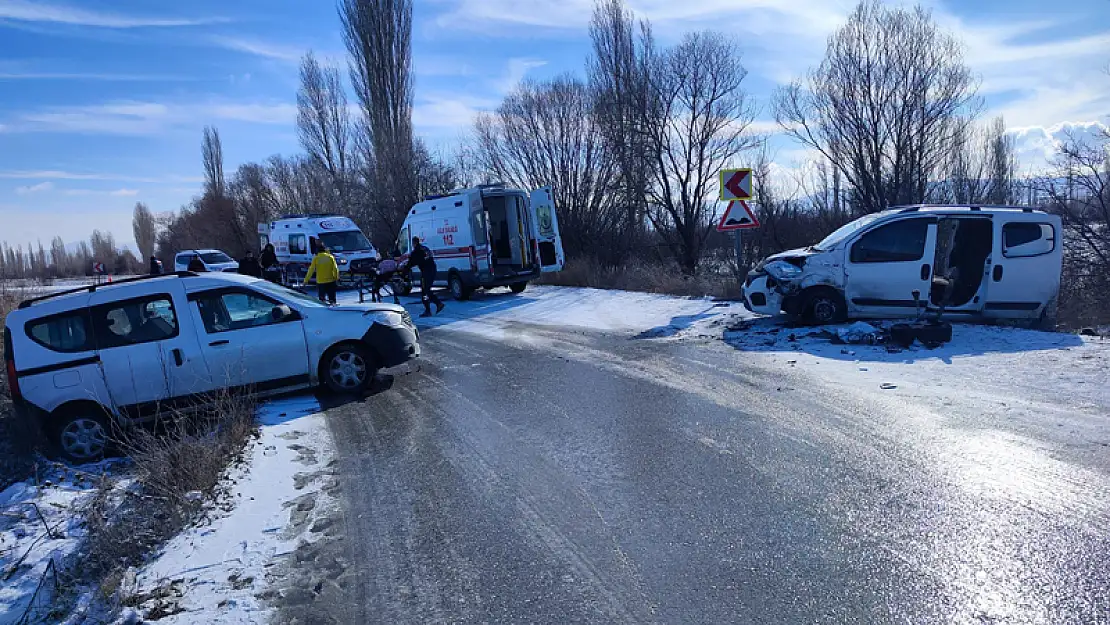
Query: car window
pixel 1027 239
pixel 235 310
pixel 895 242
pixel 63 333
pixel 215 257
pixel 349 241
pixel 130 322
pixel 403 241
pixel 297 244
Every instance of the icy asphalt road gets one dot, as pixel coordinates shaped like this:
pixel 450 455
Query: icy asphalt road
pixel 551 476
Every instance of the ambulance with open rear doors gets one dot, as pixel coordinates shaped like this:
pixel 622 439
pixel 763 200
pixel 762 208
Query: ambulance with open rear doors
pixel 487 236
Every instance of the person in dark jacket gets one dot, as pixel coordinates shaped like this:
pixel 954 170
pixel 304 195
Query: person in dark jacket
pixel 249 266
pixel 422 257
pixel 271 268
pixel 155 266
pixel 196 264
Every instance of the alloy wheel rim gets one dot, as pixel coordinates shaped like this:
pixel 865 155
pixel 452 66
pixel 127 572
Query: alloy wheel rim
pixel 84 438
pixel 348 370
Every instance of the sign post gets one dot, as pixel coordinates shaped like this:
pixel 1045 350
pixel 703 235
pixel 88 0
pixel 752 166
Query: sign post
pixel 736 189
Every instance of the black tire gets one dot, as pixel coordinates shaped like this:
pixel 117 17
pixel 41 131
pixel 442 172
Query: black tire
pixel 823 306
pixel 459 291
pixel 82 434
pixel 518 287
pixel 403 286
pixel 347 368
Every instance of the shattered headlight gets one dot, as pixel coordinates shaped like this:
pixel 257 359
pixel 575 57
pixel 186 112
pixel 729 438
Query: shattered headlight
pixel 782 270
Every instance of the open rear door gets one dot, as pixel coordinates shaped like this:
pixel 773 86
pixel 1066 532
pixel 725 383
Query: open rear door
pixel 545 227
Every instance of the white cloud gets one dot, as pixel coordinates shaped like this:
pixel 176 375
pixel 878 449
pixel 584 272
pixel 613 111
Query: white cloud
pixel 35 188
pixel 148 118
pixel 443 112
pixel 515 71
pixel 263 49
pixel 41 174
pixel 90 77
pixel 257 113
pixel 101 192
pixel 1035 146
pixel 37 11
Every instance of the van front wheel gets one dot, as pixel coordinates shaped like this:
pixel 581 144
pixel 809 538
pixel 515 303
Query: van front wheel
pixel 823 306
pixel 347 368
pixel 518 287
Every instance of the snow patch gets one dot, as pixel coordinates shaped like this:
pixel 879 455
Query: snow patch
pixel 215 571
pixel 41 526
pixel 491 313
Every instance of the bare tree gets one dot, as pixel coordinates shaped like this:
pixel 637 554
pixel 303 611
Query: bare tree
pixel 378 35
pixel 620 79
pixel 885 104
pixel 103 246
pixel 212 154
pixel 978 168
pixel 701 127
pixel 1078 188
pixel 324 124
pixel 546 133
pixel 145 230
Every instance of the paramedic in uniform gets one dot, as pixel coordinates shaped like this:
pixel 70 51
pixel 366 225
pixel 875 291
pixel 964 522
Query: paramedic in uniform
pixel 422 257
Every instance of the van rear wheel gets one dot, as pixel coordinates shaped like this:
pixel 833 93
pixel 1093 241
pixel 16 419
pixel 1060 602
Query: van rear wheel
pixel 81 435
pixel 518 287
pixel 459 291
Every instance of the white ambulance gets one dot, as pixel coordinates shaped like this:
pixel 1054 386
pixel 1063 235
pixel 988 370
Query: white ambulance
pixel 486 236
pixel 294 238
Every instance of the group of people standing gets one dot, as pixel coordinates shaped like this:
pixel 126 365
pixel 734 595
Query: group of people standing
pixel 325 269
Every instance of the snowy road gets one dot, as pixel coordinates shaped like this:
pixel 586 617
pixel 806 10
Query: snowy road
pixel 530 474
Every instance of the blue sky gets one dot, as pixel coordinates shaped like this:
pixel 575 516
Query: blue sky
pixel 102 102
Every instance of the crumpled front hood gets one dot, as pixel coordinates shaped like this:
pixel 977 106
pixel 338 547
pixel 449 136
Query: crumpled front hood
pixel 801 252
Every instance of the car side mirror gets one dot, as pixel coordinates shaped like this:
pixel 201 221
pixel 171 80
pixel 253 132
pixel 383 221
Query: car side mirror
pixel 281 313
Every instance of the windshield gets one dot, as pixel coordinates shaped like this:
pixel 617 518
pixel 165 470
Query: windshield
pixel 349 241
pixel 845 231
pixel 215 257
pixel 282 292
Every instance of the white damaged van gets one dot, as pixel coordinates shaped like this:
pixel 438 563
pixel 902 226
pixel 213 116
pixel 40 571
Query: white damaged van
pixel 972 261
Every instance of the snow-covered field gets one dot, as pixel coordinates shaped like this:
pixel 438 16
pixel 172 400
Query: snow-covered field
pixel 40 527
pixel 216 572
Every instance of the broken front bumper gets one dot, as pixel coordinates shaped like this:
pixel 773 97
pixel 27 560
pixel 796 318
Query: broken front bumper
pixel 761 295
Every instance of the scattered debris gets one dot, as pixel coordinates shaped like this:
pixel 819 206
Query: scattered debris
pixel 886 386
pixel 860 332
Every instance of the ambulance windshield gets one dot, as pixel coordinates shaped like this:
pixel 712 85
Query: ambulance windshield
pixel 349 241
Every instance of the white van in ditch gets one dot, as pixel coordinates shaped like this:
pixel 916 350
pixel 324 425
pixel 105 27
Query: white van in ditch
pixel 84 360
pixel 487 236
pixel 974 261
pixel 293 237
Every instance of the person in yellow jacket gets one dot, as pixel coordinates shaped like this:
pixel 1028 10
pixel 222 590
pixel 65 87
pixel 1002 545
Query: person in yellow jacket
pixel 326 271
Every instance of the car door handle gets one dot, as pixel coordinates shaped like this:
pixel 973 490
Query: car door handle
pixel 925 271
pixel 217 343
pixel 998 273
pixel 178 357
